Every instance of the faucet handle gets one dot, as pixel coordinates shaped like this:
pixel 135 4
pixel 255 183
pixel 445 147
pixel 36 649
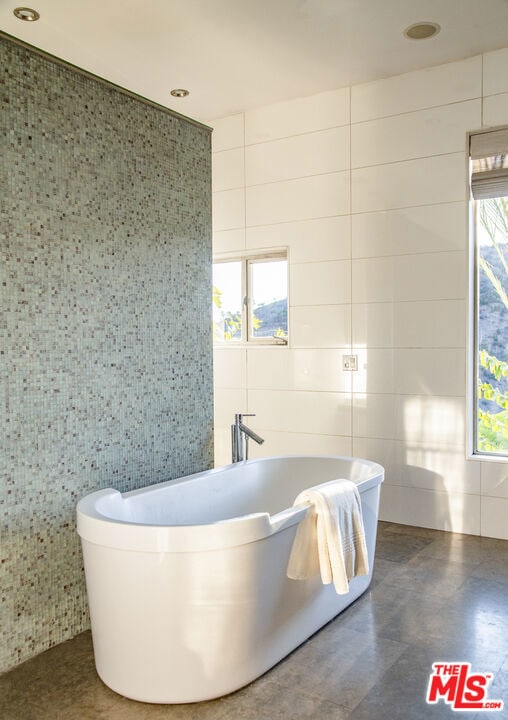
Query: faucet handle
pixel 239 416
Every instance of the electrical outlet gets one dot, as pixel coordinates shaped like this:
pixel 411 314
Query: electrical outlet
pixel 350 362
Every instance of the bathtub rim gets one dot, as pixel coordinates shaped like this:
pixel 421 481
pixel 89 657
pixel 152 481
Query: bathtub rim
pixel 100 529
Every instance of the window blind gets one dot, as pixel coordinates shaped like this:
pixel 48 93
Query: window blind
pixel 488 152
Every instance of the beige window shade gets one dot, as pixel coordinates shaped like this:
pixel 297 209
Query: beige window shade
pixel 489 163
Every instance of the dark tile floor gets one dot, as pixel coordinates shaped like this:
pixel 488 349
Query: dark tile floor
pixel 435 596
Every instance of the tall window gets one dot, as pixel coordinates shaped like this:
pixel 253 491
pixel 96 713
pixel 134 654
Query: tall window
pixel 489 190
pixel 250 300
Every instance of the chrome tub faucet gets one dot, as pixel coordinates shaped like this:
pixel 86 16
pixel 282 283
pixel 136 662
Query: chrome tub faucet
pixel 240 434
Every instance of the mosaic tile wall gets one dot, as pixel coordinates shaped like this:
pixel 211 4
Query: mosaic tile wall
pixel 106 368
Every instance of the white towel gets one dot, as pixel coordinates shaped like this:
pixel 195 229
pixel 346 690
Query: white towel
pixel 331 538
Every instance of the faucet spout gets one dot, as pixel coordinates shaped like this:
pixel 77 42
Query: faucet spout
pixel 250 433
pixel 240 434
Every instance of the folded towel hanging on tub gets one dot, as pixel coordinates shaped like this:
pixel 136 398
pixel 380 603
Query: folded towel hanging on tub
pixel 331 538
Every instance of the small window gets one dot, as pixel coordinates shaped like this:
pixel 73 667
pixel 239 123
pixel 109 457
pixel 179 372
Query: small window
pixel 489 190
pixel 250 299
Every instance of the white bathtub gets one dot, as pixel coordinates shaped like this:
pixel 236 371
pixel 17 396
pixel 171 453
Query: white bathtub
pixel 186 580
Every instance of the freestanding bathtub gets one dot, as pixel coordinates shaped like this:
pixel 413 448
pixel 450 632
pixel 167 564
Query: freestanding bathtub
pixel 186 580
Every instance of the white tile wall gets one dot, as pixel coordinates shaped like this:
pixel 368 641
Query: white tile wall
pixel 494 512
pixel 300 156
pixel 228 170
pixel 320 413
pixel 303 369
pixel 495 72
pixel 433 276
pixel 495 110
pixel 436 131
pixel 229 240
pixel 430 180
pixel 299 199
pixel 324 239
pixel 377 267
pixel 321 326
pixel 426 88
pixel 321 283
pixel 228 210
pixel 455 512
pixel 421 229
pixel 296 117
pixel 228 133
pixel 429 323
pixel 300 444
pixel 495 480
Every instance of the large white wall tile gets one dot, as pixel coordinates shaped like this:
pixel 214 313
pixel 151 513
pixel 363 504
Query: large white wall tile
pixel 373 325
pixel 300 156
pixel 228 170
pixel 228 240
pixel 416 90
pixel 285 443
pixel 495 72
pixel 323 283
pixel 295 117
pixel 227 402
pixel 494 513
pixel 430 420
pixel 430 371
pixel 433 467
pixel 433 421
pixel 375 372
pixel 228 132
pixel 301 199
pixel 318 413
pixel 228 209
pixel 495 110
pixel 420 229
pixel 303 369
pixel 315 240
pixel 425 181
pixel 433 276
pixel 495 480
pixel 374 416
pixel 229 367
pixel 419 134
pixel 433 323
pixel 455 512
pixel 321 326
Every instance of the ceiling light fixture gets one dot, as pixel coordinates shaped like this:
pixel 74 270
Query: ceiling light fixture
pixel 27 14
pixel 179 92
pixel 422 30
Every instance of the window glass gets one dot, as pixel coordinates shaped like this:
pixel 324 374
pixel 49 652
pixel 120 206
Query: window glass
pixel 492 326
pixel 269 299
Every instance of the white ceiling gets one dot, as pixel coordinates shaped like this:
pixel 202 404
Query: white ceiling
pixel 238 54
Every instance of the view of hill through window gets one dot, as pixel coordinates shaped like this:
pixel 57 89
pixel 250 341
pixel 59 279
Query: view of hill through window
pixel 492 327
pixel 250 300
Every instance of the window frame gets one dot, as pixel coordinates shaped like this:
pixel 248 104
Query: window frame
pixel 248 259
pixel 473 316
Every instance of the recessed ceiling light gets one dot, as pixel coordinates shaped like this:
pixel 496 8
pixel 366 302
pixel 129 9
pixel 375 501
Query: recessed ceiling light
pixel 422 30
pixel 27 14
pixel 179 92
